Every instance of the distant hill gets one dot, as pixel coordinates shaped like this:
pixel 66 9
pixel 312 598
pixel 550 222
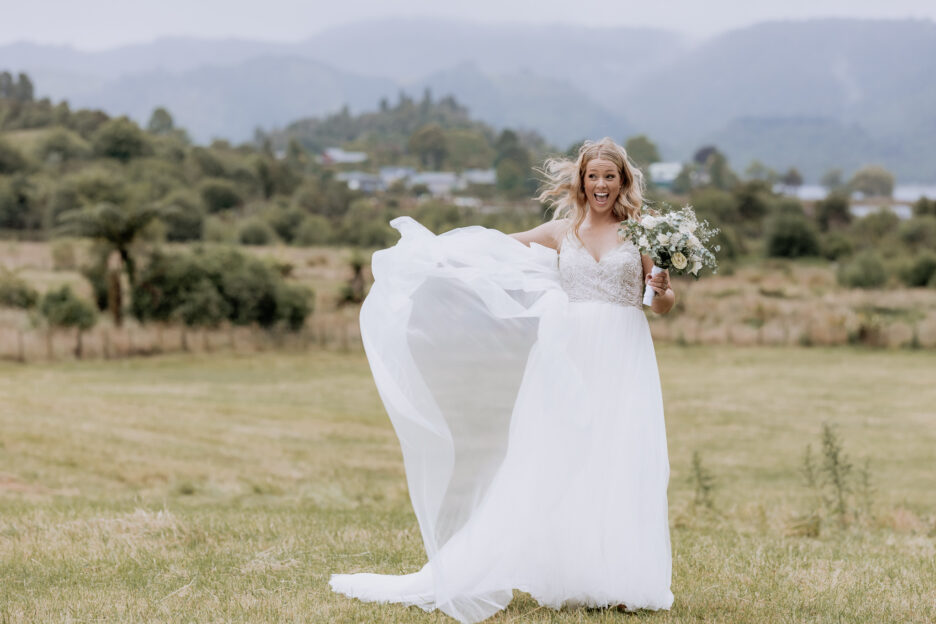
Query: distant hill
pixel 231 101
pixel 815 94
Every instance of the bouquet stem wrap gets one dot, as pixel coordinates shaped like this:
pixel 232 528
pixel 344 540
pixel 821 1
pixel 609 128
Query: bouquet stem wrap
pixel 649 293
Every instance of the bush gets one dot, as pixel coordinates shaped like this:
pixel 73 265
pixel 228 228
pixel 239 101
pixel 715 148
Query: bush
pixel 285 222
pixel 62 308
pixel 918 232
pixel 836 246
pixel 786 205
pixel 924 206
pixel 19 209
pixel 11 160
pixel 753 200
pixel 314 230
pixel 717 206
pixel 791 236
pixel 206 287
pixel 873 228
pixel 256 232
pixel 184 217
pixel 833 211
pixel 866 270
pixel 15 292
pixel 920 271
pixel 61 146
pixel 121 139
pixel 220 195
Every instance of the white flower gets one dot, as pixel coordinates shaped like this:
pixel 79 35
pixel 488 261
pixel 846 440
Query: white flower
pixel 643 243
pixel 695 267
pixel 663 239
pixel 649 222
pixel 679 261
pixel 687 228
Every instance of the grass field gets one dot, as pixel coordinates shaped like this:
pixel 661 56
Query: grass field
pixel 226 488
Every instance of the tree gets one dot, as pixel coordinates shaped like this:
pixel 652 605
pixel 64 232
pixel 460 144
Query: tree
pixel 832 180
pixel 120 139
pixel 642 150
pixel 512 163
pixel 23 90
pixel 719 173
pixel 833 211
pixel 873 181
pixel 791 236
pixel 11 159
pixel 62 308
pixel 757 170
pixel 428 142
pixel 792 178
pixel 116 228
pixel 160 122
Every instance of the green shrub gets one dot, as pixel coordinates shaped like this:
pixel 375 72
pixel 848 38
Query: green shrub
pixel 184 217
pixel 62 308
pixel 791 236
pixel 835 246
pixel 255 232
pixel 120 139
pixel 785 205
pixel 15 292
pixel 220 195
pixel 833 211
pixel 285 222
pixel 920 271
pixel 717 206
pixel 62 145
pixel 866 270
pixel 924 206
pixel 314 230
pixel 918 232
pixel 753 200
pixel 206 287
pixel 873 228
pixel 11 159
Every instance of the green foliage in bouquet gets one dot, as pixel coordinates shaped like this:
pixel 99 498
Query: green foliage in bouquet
pixel 675 239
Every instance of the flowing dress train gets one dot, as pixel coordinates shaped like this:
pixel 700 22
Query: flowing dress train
pixel 523 387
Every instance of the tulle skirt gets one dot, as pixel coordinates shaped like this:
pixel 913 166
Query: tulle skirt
pixel 531 427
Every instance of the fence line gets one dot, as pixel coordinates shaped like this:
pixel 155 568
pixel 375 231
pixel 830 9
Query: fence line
pixel 339 331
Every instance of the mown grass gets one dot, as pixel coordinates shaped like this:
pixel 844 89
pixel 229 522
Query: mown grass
pixel 227 488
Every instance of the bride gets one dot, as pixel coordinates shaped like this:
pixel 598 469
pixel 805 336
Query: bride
pixel 520 376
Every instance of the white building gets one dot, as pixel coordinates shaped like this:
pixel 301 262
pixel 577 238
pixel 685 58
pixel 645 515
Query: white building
pixel 664 173
pixel 337 156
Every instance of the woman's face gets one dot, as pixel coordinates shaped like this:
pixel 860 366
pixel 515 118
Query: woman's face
pixel 602 184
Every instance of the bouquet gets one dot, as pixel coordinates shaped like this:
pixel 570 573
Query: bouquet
pixel 675 240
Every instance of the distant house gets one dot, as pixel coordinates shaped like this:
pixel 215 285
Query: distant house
pixel 479 177
pixel 439 183
pixel 389 175
pixel 337 156
pixel 663 174
pixel 361 181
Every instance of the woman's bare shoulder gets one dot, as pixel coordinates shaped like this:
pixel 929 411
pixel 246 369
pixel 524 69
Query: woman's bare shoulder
pixel 549 234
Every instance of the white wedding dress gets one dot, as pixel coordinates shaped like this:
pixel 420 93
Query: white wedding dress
pixel 524 390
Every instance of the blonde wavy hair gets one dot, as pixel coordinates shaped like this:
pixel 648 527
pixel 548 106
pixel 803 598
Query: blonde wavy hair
pixel 564 183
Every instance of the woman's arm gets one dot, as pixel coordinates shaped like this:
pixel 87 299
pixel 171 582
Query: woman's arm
pixel 665 297
pixel 546 234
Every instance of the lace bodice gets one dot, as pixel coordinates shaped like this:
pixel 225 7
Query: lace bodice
pixel 616 278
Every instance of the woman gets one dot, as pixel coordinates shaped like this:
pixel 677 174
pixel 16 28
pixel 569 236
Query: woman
pixel 522 382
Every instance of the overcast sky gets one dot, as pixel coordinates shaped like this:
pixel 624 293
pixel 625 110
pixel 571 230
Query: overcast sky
pixel 99 24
